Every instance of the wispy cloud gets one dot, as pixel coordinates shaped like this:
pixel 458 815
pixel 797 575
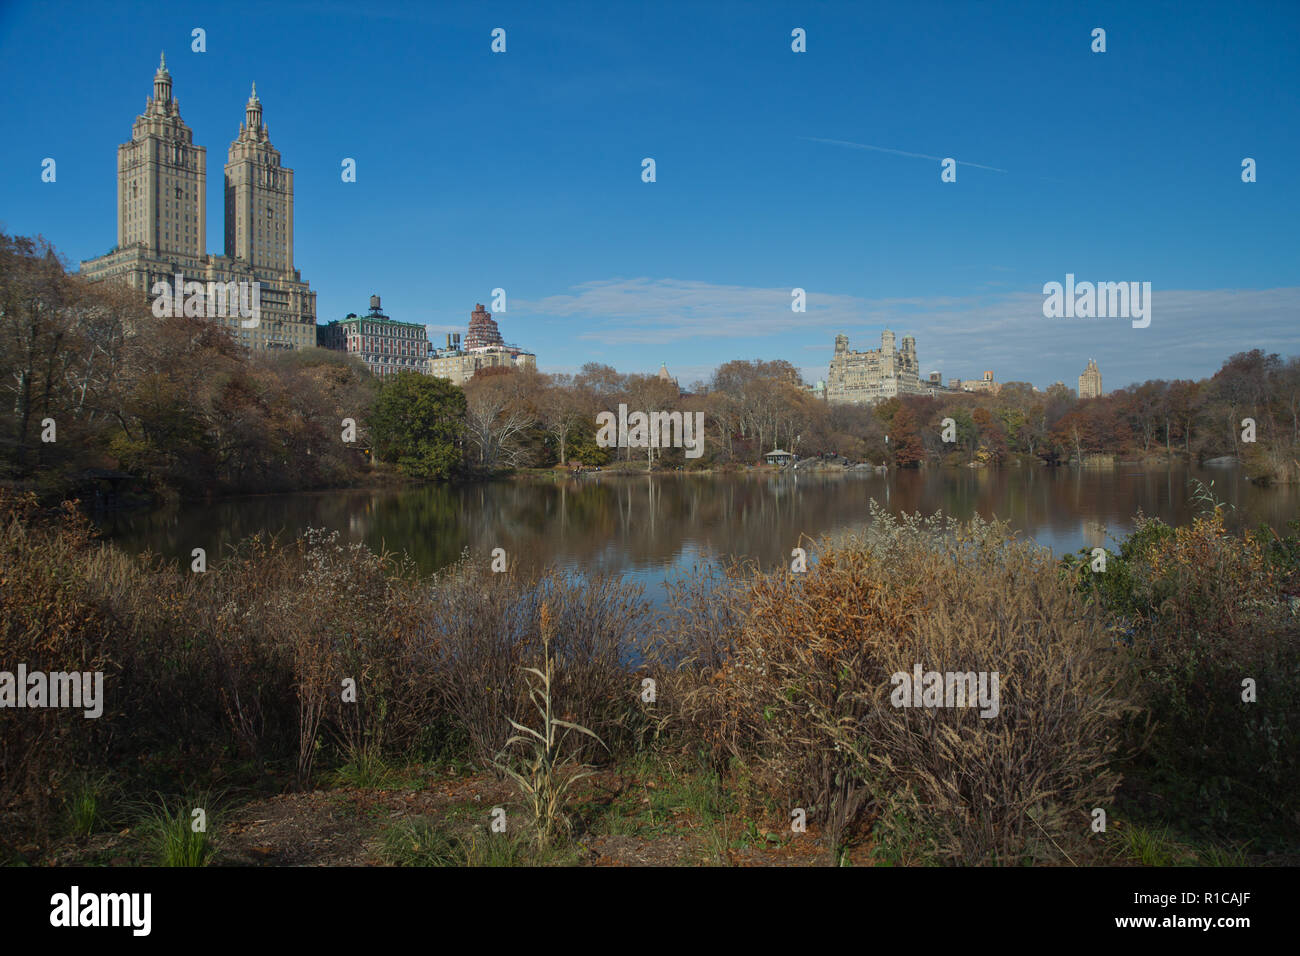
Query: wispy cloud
pixel 898 152
pixel 647 311
pixel 1191 333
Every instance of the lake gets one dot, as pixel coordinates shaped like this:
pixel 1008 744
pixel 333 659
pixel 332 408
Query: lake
pixel 653 526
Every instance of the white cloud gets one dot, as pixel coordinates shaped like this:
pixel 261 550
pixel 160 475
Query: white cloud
pixel 1191 331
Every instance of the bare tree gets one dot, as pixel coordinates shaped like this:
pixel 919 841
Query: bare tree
pixel 500 410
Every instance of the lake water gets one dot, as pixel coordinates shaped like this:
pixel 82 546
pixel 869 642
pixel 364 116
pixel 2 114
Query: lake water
pixel 653 526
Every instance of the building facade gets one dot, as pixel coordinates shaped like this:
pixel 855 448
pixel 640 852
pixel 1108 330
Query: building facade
pixel 484 348
pixel 162 222
pixel 985 384
pixel 384 344
pixel 1090 381
pixel 866 378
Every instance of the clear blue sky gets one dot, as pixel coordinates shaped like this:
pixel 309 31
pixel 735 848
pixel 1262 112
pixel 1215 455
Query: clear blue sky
pixel 523 170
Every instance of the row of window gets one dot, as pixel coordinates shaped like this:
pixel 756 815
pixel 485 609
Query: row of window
pixel 356 344
pixel 392 331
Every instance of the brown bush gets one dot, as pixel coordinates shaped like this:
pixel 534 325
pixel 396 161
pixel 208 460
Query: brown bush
pixel 805 697
pixel 50 622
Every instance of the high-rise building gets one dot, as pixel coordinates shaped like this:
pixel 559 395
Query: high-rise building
pixel 1090 381
pixel 259 196
pixel 162 223
pixel 873 376
pixel 161 179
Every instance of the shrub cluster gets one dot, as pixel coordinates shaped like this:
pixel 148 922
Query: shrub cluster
pixel 255 658
pixel 287 656
pixel 805 698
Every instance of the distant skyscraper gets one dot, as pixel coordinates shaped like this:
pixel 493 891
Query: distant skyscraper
pixel 1090 381
pixel 162 223
pixel 161 179
pixel 259 196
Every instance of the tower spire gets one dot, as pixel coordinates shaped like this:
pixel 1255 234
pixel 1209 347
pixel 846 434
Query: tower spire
pixel 253 112
pixel 162 83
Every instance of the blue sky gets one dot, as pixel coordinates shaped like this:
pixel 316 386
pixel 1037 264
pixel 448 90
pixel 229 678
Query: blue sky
pixel 522 170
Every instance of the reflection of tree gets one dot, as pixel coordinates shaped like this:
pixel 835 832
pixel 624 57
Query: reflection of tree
pixel 649 523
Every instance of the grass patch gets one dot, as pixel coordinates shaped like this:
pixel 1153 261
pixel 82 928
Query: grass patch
pixel 1153 846
pixel 426 843
pixel 367 769
pixel 87 804
pixel 170 833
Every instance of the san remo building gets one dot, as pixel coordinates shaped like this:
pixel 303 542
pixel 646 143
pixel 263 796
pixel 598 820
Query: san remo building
pixel 162 220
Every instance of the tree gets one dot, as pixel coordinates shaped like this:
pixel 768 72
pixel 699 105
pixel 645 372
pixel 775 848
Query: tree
pixel 905 439
pixel 417 423
pixel 500 413
pixel 1075 433
pixel 561 409
pixel 1182 406
pixel 993 443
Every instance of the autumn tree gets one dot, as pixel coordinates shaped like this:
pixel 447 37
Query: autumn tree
pixel 905 439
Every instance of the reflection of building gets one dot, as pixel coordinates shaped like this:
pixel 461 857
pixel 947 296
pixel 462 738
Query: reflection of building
pixel 162 219
pixel 484 348
pixel 865 378
pixel 385 345
pixel 1090 381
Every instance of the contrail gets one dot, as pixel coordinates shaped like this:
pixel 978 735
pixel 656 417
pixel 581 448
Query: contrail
pixel 898 152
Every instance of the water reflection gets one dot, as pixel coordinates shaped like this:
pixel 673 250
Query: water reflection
pixel 650 525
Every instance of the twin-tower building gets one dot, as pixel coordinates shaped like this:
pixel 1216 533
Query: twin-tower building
pixel 872 376
pixel 162 219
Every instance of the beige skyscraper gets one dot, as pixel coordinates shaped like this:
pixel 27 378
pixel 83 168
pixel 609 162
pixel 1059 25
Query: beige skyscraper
pixel 161 178
pixel 162 224
pixel 1090 381
pixel 259 196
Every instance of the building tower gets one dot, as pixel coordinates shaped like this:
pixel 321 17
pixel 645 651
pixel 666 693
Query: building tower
pixel 162 226
pixel 1090 381
pixel 483 329
pixel 259 196
pixel 908 363
pixel 162 180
